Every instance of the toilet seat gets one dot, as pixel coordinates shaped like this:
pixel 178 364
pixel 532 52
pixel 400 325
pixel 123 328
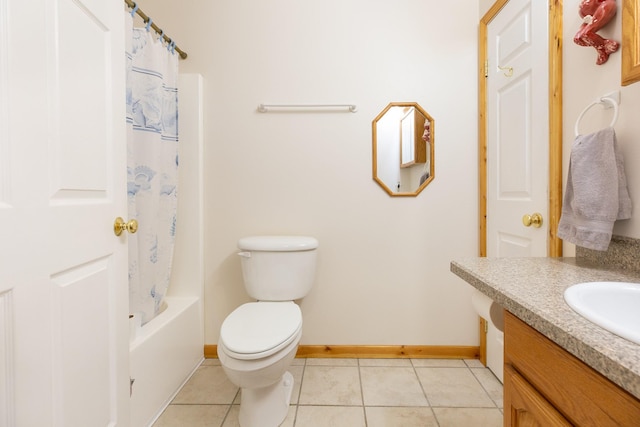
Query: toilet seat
pixel 259 329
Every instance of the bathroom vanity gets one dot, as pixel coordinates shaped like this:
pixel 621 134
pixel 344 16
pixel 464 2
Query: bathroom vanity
pixel 559 368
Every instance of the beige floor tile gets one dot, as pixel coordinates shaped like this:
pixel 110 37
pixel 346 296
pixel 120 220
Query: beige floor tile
pixel 458 417
pixel 298 361
pixel 330 416
pixel 330 385
pixel 330 392
pixel 291 417
pixel 391 386
pixel 491 384
pixel 331 361
pixel 473 363
pixel 208 385
pixel 400 417
pixel 453 387
pixel 192 416
pixel 384 362
pixel 438 363
pixel 297 372
pixel 232 418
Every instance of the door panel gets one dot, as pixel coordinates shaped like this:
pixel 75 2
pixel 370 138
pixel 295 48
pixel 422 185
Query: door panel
pixel 80 84
pixel 514 246
pixel 82 344
pixel 515 36
pixel 514 160
pixel 63 282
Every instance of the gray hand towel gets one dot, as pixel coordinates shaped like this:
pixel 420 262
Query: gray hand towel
pixel 596 194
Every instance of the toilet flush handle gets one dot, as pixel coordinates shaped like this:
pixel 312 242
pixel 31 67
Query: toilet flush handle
pixel 245 254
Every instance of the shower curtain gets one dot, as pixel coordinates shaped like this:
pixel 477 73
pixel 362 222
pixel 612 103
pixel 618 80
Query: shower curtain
pixel 152 166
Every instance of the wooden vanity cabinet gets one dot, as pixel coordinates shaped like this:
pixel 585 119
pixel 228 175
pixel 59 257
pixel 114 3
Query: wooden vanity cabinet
pixel 546 386
pixel 526 406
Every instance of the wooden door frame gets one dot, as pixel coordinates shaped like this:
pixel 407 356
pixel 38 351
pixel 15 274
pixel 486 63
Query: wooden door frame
pixel 554 244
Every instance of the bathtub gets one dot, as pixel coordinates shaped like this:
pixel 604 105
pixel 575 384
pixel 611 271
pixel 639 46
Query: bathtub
pixel 163 355
pixel 166 350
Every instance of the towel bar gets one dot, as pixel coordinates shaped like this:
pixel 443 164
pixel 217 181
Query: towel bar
pixel 264 108
pixel 603 100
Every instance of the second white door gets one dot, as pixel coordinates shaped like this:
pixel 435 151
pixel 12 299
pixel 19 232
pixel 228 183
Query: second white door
pixel 518 129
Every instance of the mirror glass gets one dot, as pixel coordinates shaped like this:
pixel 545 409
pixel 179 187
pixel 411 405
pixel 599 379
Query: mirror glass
pixel 403 149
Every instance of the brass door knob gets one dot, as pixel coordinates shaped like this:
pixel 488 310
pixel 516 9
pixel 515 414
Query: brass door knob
pixel 533 219
pixel 119 226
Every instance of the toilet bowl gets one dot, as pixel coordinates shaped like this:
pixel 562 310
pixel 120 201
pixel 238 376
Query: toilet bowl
pixel 257 343
pixel 258 340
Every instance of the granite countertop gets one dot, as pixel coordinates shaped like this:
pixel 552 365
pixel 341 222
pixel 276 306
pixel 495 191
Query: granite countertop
pixel 532 289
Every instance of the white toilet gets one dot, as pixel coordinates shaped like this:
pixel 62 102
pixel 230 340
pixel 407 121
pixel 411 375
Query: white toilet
pixel 258 340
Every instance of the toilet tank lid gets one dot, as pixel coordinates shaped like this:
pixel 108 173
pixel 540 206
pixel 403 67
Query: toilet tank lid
pixel 278 243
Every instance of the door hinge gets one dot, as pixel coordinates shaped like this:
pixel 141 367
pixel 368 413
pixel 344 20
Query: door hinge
pixel 486 68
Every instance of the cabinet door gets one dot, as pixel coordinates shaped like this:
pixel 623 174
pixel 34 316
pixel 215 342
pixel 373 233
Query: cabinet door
pixel 584 396
pixel 525 407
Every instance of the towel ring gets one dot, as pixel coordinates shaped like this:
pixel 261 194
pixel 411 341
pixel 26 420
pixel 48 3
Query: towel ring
pixel 602 100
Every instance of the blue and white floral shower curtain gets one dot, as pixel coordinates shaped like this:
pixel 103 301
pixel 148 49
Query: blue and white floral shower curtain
pixel 152 166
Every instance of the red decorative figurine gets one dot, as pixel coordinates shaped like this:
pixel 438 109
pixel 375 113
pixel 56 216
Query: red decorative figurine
pixel 596 14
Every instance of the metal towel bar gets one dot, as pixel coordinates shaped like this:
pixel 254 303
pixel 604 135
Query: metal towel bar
pixel 265 108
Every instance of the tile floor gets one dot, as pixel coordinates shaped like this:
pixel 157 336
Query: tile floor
pixel 354 393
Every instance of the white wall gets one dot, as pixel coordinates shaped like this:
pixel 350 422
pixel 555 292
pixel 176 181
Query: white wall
pixel 485 5
pixel 383 273
pixel 585 81
pixel 383 276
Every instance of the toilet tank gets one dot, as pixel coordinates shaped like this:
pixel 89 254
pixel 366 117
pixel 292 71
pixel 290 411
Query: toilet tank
pixel 278 268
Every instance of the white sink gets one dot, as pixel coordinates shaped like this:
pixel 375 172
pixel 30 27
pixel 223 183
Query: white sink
pixel 614 306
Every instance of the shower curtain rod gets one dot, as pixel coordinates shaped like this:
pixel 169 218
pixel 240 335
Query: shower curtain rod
pixel 158 30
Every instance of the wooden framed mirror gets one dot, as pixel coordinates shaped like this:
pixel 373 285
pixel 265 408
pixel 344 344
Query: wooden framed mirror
pixel 630 42
pixel 403 149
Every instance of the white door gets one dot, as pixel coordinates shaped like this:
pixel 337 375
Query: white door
pixel 63 281
pixel 518 129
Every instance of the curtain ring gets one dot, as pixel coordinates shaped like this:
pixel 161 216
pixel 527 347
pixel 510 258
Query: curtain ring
pixel 148 27
pixel 134 9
